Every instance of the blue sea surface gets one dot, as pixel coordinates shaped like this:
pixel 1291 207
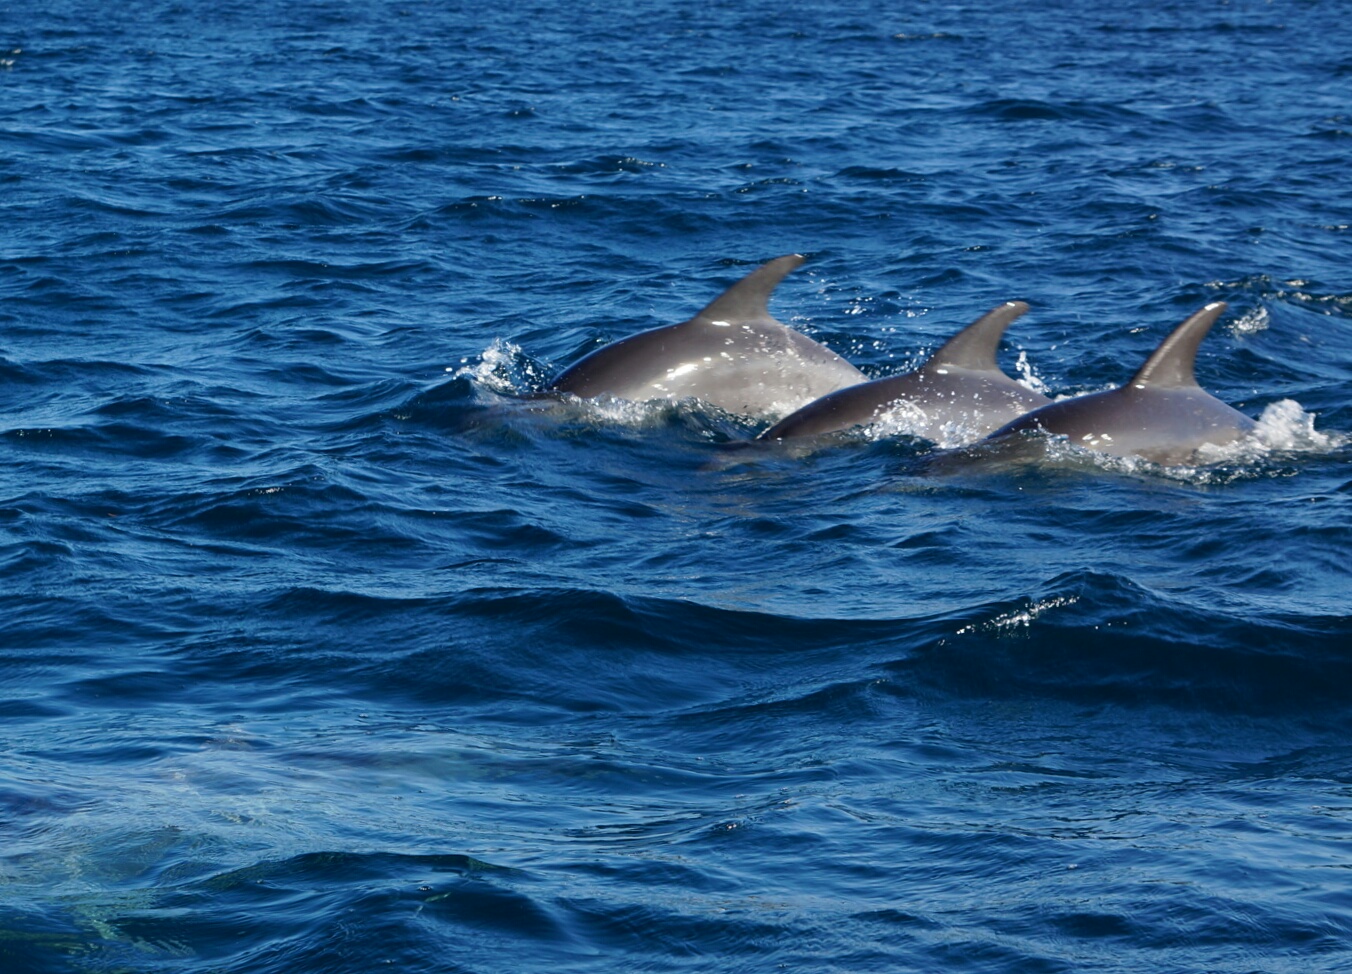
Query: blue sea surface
pixel 327 644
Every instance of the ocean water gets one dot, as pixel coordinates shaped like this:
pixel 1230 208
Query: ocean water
pixel 328 645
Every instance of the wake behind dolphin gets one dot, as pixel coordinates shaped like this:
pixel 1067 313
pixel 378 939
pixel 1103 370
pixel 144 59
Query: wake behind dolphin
pixel 1162 414
pixel 732 355
pixel 960 386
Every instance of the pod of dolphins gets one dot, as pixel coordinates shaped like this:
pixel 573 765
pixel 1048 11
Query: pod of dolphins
pixel 736 356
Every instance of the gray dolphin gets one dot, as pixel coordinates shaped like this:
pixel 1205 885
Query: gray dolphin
pixel 732 354
pixel 960 387
pixel 1162 414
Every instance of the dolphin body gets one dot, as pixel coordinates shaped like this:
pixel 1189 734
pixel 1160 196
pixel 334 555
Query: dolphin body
pixel 1162 414
pixel 960 387
pixel 733 355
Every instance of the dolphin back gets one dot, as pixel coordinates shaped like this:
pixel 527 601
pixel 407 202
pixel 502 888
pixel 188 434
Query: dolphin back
pixel 733 355
pixel 1162 414
pixel 960 387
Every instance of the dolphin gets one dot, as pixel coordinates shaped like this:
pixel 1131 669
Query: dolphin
pixel 732 354
pixel 1162 414
pixel 960 388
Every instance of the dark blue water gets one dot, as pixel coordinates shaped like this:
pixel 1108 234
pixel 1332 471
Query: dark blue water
pixel 326 647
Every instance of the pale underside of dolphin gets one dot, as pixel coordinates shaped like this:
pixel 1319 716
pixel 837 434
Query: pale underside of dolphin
pixel 1162 414
pixel 732 355
pixel 959 392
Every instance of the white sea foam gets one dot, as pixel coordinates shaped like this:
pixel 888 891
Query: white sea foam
pixel 502 368
pixel 1283 427
pixel 494 368
pixel 1252 321
pixel 624 412
pixel 906 418
pixel 902 418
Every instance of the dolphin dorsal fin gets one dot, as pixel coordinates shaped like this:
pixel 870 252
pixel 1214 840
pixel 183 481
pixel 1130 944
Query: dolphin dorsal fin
pixel 748 299
pixel 974 347
pixel 1171 365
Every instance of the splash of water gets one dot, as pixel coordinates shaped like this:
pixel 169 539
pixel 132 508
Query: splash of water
pixel 1027 377
pixel 502 368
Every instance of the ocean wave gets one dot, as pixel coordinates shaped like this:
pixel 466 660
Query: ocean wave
pixel 1087 637
pixel 1030 109
pixel 1097 637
